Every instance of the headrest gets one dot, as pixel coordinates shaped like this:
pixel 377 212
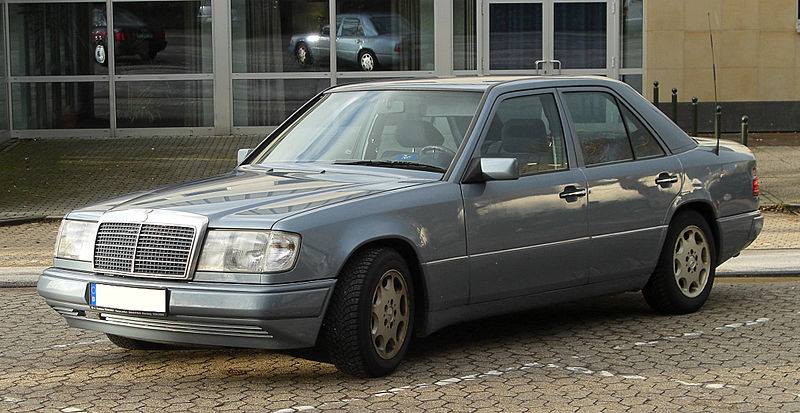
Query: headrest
pixel 417 134
pixel 523 135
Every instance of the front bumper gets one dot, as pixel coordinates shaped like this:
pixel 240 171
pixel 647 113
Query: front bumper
pixel 232 315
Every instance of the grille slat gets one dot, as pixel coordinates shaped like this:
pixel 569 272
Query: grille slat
pixel 144 249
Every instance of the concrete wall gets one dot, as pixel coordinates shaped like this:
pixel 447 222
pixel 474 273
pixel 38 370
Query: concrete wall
pixel 757 50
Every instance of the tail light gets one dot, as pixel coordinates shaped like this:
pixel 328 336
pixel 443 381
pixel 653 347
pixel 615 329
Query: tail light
pixel 160 35
pixel 754 181
pixel 121 36
pixel 397 47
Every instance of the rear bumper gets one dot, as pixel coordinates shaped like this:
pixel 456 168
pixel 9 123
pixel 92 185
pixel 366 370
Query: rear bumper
pixel 737 232
pixel 235 315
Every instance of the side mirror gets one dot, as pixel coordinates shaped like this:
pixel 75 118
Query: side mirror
pixel 241 155
pixel 492 169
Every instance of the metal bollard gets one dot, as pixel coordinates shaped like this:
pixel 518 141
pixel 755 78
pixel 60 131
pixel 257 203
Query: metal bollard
pixel 745 119
pixel 675 105
pixel 694 115
pixel 718 122
pixel 655 93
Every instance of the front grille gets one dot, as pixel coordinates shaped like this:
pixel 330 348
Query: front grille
pixel 143 249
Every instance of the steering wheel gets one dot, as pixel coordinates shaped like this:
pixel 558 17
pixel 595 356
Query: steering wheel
pixel 439 155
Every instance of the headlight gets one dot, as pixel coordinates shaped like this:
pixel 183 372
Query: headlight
pixel 248 251
pixel 76 240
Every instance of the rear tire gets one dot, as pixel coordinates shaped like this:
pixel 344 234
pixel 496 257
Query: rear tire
pixel 370 319
pixel 134 344
pixel 684 275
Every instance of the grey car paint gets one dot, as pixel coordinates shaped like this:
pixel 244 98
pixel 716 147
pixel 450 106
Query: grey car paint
pixel 464 266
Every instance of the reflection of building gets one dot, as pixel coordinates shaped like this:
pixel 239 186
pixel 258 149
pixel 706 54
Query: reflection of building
pixel 237 66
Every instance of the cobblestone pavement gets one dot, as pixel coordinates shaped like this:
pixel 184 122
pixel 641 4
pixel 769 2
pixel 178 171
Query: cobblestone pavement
pixel 610 354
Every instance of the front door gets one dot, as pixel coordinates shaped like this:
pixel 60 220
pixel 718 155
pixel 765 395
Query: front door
pixel 527 235
pixel 548 37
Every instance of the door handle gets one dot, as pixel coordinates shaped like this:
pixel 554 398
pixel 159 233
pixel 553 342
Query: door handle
pixel 664 179
pixel 572 191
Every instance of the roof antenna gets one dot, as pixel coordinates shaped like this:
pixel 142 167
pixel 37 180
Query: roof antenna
pixel 714 72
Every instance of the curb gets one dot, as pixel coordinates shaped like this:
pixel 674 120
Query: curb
pixel 19 277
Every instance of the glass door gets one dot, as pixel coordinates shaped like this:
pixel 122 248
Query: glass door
pixel 515 36
pixel 548 37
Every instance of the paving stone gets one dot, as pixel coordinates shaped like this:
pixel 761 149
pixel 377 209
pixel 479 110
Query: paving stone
pixel 571 357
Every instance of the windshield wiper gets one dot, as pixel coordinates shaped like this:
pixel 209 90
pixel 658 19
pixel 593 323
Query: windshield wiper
pixel 391 164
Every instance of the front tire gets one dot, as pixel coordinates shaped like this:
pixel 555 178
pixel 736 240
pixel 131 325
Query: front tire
pixel 370 319
pixel 684 275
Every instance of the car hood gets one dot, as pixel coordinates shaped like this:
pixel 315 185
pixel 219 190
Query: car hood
pixel 258 197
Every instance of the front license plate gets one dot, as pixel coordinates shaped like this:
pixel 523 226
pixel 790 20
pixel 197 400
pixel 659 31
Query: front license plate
pixel 128 299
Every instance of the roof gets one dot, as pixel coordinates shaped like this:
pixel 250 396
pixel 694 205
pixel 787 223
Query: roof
pixel 477 83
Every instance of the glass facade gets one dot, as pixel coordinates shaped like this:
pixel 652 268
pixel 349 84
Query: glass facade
pixel 174 103
pixel 280 36
pixel 259 102
pixel 206 67
pixel 156 37
pixel 579 35
pixel 40 48
pixel 393 35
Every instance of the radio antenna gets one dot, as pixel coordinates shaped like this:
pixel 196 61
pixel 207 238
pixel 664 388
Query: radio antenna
pixel 714 73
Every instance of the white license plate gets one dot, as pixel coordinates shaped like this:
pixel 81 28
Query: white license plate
pixel 128 299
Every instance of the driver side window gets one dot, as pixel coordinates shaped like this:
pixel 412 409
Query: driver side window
pixel 527 128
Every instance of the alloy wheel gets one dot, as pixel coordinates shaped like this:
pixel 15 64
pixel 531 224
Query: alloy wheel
pixel 390 314
pixel 691 261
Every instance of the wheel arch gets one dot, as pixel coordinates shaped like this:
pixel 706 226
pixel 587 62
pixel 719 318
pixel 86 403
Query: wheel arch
pixel 706 210
pixel 409 254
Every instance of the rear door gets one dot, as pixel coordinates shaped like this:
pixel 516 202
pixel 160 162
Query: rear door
pixel 632 183
pixel 526 235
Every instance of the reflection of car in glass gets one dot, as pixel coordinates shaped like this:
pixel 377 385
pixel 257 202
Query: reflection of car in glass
pixel 132 36
pixel 382 211
pixel 367 40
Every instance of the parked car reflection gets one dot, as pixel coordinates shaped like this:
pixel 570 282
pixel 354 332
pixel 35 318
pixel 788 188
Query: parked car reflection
pixel 132 36
pixel 368 41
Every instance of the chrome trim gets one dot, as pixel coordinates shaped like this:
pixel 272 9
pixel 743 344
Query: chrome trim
pixel 632 231
pixel 234 330
pixel 670 180
pixel 528 247
pixel 156 217
pixel 445 260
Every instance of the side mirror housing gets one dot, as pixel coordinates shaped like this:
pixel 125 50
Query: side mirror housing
pixel 241 155
pixel 492 169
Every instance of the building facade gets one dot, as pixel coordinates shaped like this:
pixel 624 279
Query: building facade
pixel 220 67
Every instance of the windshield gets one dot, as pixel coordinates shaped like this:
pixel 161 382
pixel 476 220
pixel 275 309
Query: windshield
pixel 392 126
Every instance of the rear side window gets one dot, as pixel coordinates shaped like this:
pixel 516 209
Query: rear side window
pixel 598 123
pixel 527 128
pixel 643 143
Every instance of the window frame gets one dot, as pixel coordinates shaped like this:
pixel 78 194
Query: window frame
pixel 618 101
pixel 570 158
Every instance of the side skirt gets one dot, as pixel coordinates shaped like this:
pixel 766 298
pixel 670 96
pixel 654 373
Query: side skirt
pixel 454 315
